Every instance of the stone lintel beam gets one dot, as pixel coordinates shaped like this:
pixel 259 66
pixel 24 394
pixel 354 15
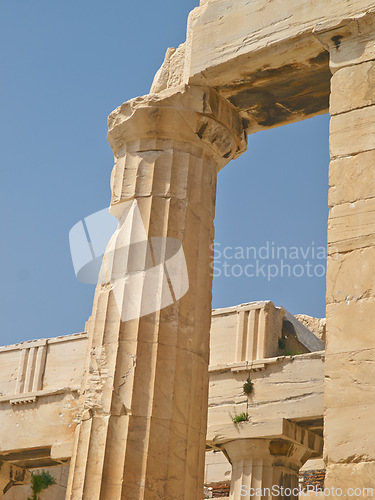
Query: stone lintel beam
pixel 265 59
pixel 12 475
pixel 349 41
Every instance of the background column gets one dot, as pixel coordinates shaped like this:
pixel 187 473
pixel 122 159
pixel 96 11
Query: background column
pixel 265 468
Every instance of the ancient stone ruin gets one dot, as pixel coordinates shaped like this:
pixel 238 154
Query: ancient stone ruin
pixel 121 410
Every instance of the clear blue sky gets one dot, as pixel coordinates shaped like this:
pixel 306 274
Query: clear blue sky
pixel 64 67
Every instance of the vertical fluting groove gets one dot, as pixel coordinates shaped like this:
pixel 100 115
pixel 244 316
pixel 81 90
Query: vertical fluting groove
pixel 30 370
pixel 145 393
pixel 24 354
pixel 81 459
pixel 250 331
pixel 261 334
pixel 240 332
pixel 95 455
pixel 205 239
pixel 39 368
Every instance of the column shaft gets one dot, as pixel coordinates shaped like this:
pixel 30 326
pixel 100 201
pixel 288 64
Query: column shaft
pixel 350 349
pixel 142 433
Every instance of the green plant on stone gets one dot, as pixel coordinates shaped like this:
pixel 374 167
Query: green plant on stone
pixel 248 387
pixel 40 481
pixel 240 417
pixel 282 343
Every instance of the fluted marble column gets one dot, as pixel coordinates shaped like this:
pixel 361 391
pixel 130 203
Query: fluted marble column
pixel 349 391
pixel 143 427
pixel 265 468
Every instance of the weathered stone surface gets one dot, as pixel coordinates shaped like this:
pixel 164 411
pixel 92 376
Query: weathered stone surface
pixel 349 477
pixel 315 325
pixel 11 476
pixel 290 387
pixel 265 463
pixel 53 492
pixel 344 433
pixel 351 226
pixel 349 39
pixel 224 30
pixel 142 433
pixel 39 385
pixel 345 381
pixel 352 178
pixel 351 326
pixel 352 88
pixel 352 132
pixel 350 312
pixel 245 333
pixel 217 467
pixel 351 276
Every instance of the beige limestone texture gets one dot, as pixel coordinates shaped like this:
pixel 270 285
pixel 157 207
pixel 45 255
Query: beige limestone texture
pixel 350 325
pixel 245 333
pixel 355 480
pixel 269 64
pixel 316 325
pixel 349 39
pixel 351 226
pixel 39 386
pixel 287 387
pixel 353 87
pixel 264 463
pixel 352 178
pixel 349 377
pixel 269 59
pixel 351 276
pixel 53 492
pixel 11 476
pixel 352 132
pixel 143 427
pixel 217 466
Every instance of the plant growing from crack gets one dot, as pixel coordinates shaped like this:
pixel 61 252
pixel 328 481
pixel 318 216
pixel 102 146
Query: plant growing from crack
pixel 40 481
pixel 248 387
pixel 239 417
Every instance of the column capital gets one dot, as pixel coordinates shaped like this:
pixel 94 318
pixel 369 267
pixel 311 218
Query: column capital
pixel 349 41
pixel 264 467
pixel 192 114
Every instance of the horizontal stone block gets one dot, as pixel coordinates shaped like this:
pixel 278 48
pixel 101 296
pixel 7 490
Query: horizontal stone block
pixel 353 87
pixel 349 379
pixel 350 276
pixel 352 132
pixel 349 39
pixel 221 31
pixel 351 226
pixel 292 388
pixel 349 477
pixel 350 326
pixel 352 178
